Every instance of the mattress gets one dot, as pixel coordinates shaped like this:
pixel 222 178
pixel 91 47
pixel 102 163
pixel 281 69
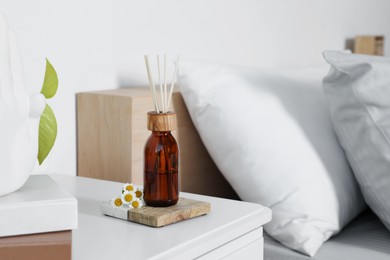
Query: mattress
pixel 364 238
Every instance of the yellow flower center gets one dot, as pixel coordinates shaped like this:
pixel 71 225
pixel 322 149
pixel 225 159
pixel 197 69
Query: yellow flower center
pixel 129 187
pixel 128 197
pixel 118 202
pixel 135 204
pixel 138 193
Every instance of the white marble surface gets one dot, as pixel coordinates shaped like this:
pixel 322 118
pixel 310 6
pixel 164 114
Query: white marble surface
pixel 102 237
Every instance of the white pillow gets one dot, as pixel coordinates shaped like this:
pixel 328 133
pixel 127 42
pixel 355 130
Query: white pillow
pixel 270 134
pixel 358 87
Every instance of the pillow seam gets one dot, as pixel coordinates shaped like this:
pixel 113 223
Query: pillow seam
pixel 370 116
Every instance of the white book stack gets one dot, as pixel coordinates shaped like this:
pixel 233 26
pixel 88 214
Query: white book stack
pixel 41 205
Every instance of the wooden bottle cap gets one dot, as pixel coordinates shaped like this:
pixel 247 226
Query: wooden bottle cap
pixel 162 122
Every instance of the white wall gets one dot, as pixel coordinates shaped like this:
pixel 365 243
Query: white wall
pixel 97 44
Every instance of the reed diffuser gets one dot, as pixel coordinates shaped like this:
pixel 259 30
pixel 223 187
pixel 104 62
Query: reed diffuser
pixel 161 154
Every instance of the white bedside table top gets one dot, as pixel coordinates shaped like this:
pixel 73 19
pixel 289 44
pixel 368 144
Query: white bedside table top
pixel 101 237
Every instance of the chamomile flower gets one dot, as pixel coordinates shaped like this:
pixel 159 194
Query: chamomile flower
pixel 128 197
pixel 128 187
pixel 116 202
pixel 132 197
pixel 137 203
pixel 139 192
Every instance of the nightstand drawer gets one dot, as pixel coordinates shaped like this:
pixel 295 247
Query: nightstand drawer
pixel 248 246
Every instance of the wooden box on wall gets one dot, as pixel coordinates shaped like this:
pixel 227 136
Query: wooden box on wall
pixel 111 134
pixel 371 45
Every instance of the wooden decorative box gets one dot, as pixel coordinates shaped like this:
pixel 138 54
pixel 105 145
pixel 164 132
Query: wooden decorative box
pixel 112 132
pixel 371 45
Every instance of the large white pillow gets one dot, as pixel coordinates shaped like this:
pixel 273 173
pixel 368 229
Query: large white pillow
pixel 270 134
pixel 358 87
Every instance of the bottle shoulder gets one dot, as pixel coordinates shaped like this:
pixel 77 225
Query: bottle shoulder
pixel 158 140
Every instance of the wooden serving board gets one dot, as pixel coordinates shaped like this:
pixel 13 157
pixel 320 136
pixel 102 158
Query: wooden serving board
pixel 158 217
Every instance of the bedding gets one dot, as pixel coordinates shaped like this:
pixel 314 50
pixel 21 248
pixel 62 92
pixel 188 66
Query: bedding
pixel 271 135
pixel 364 238
pixel 358 88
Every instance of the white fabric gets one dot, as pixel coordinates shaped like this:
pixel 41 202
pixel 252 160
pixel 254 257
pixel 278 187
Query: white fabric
pixel 270 134
pixel 365 238
pixel 358 87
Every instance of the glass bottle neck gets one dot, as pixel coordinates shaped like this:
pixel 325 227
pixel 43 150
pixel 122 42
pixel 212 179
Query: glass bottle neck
pixel 160 133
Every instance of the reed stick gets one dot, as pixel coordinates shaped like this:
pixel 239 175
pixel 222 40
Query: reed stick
pixel 165 84
pixel 151 84
pixel 165 94
pixel 160 83
pixel 173 82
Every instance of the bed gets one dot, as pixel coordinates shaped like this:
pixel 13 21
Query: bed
pixel 361 235
pixel 364 238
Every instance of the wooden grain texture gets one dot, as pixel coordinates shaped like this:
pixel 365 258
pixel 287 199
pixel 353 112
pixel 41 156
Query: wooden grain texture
pixel 112 131
pixel 370 45
pixel 111 134
pixel 161 121
pixel 43 246
pixel 158 217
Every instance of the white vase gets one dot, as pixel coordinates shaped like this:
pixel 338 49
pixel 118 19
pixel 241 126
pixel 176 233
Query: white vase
pixel 19 117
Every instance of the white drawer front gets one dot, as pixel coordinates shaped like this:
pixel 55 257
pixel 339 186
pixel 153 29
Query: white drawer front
pixel 249 246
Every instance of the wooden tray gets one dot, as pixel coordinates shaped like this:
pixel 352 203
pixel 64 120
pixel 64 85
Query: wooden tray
pixel 158 217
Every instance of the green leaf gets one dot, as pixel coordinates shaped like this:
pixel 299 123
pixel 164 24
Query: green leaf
pixel 47 133
pixel 50 83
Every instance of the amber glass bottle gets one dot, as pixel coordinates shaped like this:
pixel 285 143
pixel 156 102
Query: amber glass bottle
pixel 161 161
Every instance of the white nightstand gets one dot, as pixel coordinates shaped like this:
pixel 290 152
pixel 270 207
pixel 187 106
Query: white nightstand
pixel 232 230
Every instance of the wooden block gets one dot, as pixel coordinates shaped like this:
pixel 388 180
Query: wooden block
pixel 111 134
pixel 370 45
pixel 112 131
pixel 44 246
pixel 158 217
